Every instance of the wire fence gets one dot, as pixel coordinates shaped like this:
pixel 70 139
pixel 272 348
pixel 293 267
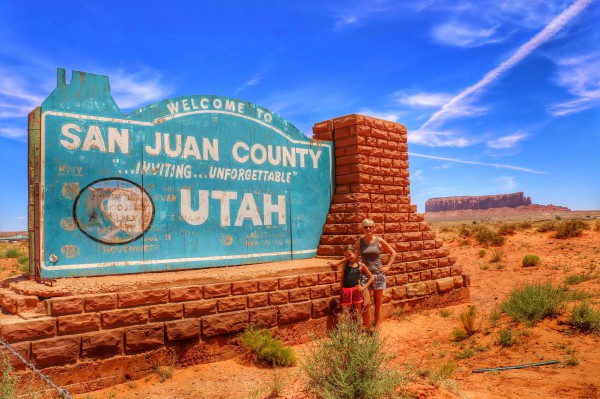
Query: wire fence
pixel 33 386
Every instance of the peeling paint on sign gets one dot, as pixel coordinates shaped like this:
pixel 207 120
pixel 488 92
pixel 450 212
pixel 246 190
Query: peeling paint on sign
pixel 190 182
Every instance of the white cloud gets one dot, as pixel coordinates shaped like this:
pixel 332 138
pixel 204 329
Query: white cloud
pixel 251 82
pixel 13 132
pixel 468 35
pixel 423 99
pixel 134 89
pixel 388 116
pixel 448 111
pixel 494 165
pixel 580 75
pixel 505 183
pixel 509 141
pixel 433 138
pixel 18 96
pixel 362 11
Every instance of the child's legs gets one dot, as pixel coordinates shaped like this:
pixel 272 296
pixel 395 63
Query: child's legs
pixel 366 307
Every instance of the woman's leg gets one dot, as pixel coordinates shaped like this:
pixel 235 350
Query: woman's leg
pixel 377 300
pixel 366 309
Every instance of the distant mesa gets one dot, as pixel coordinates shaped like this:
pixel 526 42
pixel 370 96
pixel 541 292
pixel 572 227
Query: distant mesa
pixel 483 202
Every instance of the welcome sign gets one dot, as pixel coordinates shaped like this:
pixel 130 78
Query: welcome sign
pixel 189 182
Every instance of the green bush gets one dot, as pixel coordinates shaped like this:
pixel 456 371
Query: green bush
pixel 349 365
pixel 531 260
pixel 578 278
pixel 585 318
pixel 524 225
pixel 8 382
pixel 468 320
pixel 547 226
pixel 268 350
pixel 481 253
pixel 505 337
pixel 487 236
pixel 533 303
pixel 11 253
pixel 507 229
pixel 497 255
pixel 570 228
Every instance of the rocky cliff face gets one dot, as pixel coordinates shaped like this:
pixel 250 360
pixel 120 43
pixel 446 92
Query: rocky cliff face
pixel 476 202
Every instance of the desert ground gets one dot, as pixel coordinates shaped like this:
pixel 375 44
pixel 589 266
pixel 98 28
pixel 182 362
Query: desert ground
pixel 424 346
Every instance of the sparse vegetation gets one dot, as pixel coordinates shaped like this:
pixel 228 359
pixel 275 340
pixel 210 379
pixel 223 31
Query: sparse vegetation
pixel 508 229
pixel 532 303
pixel 481 253
pixel 163 372
pixel 578 278
pixel 266 348
pixel 547 226
pixel 349 365
pixel 497 255
pixel 9 383
pixel 585 318
pixel 505 337
pixel 570 228
pixel 468 320
pixel 488 237
pixel 444 313
pixel 530 260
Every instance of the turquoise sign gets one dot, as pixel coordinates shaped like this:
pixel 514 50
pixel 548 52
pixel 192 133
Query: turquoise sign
pixel 189 182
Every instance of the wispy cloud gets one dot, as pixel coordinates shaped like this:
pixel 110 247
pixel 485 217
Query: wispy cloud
pixel 390 116
pixel 494 165
pixel 509 141
pixel 580 75
pixel 472 92
pixel 251 82
pixel 439 138
pixel 423 99
pixel 18 96
pixel 362 11
pixel 13 132
pixel 133 89
pixel 468 35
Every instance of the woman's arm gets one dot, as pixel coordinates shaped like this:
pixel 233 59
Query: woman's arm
pixel 364 269
pixel 387 247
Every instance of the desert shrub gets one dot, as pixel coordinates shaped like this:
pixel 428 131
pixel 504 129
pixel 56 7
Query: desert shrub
pixel 585 318
pixel 497 255
pixel 570 228
pixel 547 226
pixel 532 303
pixel 505 337
pixel 597 225
pixel 530 260
pixel 507 229
pixel 487 236
pixel 481 253
pixel 464 231
pixel 349 365
pixel 10 253
pixel 524 225
pixel 459 334
pixel 268 350
pixel 578 278
pixel 8 382
pixel 468 320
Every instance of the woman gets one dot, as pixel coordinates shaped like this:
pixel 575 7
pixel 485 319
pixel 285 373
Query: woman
pixel 370 247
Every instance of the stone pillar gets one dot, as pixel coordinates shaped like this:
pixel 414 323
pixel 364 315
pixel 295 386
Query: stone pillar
pixel 372 180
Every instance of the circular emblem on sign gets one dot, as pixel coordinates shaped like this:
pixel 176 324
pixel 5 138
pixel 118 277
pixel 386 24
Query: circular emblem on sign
pixel 113 211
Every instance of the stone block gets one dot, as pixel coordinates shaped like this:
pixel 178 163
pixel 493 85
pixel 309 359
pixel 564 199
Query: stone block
pixel 268 285
pixel 55 351
pixel 144 337
pixel 445 284
pixel 258 300
pixel 416 289
pixel 99 302
pixel 217 290
pixel 286 283
pixel 278 297
pixel 224 323
pixel 78 323
pixel 244 287
pixel 323 307
pixel 294 312
pixel 170 311
pixel 326 278
pixel 185 294
pixel 146 297
pixel 320 291
pixel 182 330
pixel 231 304
pixel 399 293
pixel 266 317
pixel 67 305
pixel 199 308
pixel 458 281
pixel 27 330
pixel 299 295
pixel 308 280
pixel 102 344
pixel 124 317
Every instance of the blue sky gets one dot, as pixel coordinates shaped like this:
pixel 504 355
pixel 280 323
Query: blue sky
pixel 498 96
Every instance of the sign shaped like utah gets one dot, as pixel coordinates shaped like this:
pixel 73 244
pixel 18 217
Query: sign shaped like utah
pixel 189 182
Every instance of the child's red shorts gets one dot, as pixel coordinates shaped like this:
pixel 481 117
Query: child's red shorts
pixel 351 296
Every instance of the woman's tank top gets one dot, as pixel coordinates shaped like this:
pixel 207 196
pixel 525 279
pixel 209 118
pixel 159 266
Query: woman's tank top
pixel 351 276
pixel 371 255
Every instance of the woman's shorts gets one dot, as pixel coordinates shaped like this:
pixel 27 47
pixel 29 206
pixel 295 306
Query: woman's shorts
pixel 378 281
pixel 352 296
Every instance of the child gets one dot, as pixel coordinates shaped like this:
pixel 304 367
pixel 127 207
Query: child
pixel 352 291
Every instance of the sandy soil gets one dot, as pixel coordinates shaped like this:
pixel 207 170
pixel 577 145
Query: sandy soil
pixel 423 343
